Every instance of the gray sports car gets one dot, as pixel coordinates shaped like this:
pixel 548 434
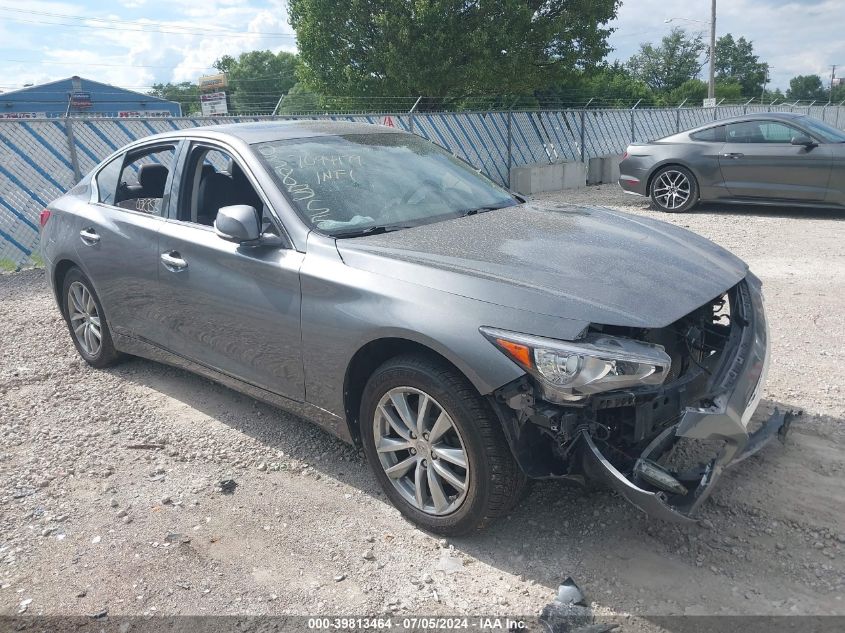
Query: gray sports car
pixel 369 281
pixel 771 158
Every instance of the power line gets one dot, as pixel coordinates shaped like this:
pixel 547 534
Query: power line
pixel 231 82
pixel 117 28
pixel 52 63
pixel 149 26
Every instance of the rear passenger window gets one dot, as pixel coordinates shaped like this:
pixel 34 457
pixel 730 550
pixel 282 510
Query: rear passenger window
pixel 711 135
pixel 143 179
pixel 107 180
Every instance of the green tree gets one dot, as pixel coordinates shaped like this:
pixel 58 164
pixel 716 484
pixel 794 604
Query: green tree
pixel 771 96
pixel 838 94
pixel 300 100
pixel 606 85
pixel 694 91
pixel 806 88
pixel 447 48
pixel 257 79
pixel 185 93
pixel 677 59
pixel 735 60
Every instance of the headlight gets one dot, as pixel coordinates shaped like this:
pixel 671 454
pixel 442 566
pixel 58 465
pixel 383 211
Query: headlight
pixel 572 371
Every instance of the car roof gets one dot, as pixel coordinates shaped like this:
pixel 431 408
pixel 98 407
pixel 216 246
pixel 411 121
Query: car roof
pixel 263 131
pixel 757 116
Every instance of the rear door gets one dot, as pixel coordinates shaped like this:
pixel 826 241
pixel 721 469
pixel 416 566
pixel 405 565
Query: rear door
pixel 117 242
pixel 232 308
pixel 758 161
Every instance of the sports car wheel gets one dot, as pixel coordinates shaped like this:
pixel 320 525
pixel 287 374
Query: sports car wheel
pixel 674 189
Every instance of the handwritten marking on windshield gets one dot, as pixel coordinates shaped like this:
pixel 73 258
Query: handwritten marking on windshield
pixel 301 191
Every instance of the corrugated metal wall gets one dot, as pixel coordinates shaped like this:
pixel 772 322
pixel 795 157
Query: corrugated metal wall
pixel 41 158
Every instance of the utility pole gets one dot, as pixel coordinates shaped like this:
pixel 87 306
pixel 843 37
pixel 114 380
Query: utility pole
pixel 766 79
pixel 711 88
pixel 832 77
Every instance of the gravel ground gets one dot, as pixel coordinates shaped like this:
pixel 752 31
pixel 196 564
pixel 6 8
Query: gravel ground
pixel 111 496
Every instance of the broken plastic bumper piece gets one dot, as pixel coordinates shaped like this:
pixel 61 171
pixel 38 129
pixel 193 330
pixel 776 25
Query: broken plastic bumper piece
pixel 672 504
pixel 737 389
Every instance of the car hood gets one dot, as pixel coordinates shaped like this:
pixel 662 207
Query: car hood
pixel 583 263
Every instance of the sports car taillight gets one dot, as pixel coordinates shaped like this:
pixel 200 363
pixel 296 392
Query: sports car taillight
pixel 45 215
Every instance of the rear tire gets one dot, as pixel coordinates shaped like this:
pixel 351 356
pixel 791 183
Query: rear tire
pixel 86 321
pixel 493 482
pixel 674 189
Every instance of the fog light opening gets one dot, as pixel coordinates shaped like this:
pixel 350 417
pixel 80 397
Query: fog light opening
pixel 657 476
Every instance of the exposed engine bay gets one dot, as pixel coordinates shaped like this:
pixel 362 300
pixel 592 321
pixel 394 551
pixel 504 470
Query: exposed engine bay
pixel 627 437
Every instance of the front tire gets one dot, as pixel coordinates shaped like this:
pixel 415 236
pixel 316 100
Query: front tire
pixel 436 448
pixel 86 321
pixel 674 189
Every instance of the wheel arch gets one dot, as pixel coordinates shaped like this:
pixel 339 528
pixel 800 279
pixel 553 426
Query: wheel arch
pixel 673 162
pixel 370 357
pixel 60 271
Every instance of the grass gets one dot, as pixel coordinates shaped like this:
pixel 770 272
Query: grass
pixel 11 266
pixel 8 266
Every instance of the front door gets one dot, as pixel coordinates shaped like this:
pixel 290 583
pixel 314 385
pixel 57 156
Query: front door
pixel 232 308
pixel 758 161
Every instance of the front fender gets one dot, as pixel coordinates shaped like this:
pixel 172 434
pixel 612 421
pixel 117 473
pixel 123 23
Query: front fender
pixel 345 308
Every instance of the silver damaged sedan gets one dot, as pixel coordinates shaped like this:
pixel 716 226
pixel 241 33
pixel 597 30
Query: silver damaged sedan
pixel 470 341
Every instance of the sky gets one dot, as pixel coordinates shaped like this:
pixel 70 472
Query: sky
pixel 135 43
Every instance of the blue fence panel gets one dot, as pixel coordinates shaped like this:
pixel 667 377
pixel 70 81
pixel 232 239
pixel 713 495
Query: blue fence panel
pixel 34 168
pixel 37 162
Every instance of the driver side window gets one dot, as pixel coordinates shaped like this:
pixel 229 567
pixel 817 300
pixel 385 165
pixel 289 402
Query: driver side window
pixel 760 132
pixel 214 179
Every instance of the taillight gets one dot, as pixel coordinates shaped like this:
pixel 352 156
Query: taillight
pixel 45 215
pixel 625 155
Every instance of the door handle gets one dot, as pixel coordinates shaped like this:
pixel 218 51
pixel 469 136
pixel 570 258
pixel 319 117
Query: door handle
pixel 173 262
pixel 733 155
pixel 89 236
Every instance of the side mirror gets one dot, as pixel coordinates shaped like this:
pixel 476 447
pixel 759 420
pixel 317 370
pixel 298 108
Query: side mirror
pixel 803 139
pixel 238 223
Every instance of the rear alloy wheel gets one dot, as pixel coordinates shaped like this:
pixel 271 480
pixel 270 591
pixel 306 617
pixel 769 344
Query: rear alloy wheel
pixel 86 321
pixel 436 447
pixel 674 189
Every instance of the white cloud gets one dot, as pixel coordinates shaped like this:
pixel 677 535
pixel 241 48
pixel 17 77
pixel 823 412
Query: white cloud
pixel 198 34
pixel 794 37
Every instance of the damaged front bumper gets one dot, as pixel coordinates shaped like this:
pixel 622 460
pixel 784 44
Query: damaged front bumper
pixel 662 504
pixel 735 391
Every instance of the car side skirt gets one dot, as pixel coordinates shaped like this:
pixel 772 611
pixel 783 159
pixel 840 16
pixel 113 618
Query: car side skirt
pixel 329 422
pixel 771 202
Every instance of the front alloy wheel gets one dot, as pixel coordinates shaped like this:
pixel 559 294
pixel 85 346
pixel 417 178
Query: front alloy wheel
pixel 436 446
pixel 421 450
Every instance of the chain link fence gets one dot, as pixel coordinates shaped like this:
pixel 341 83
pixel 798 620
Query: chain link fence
pixel 42 158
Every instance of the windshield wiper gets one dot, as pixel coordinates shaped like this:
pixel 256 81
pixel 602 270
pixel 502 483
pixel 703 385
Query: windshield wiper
pixel 369 230
pixel 478 210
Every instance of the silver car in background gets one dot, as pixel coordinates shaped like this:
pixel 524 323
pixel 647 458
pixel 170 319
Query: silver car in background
pixel 771 159
pixel 468 340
